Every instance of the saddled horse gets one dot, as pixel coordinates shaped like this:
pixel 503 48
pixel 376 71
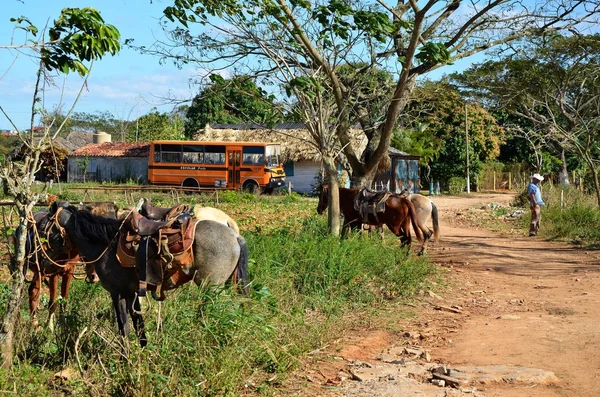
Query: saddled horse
pixel 218 253
pixel 426 210
pixel 398 215
pixel 47 267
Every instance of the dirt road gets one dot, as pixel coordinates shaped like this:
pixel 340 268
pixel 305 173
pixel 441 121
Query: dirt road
pixel 519 302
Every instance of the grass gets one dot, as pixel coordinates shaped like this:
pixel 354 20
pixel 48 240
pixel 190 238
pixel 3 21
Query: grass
pixel 307 289
pixel 578 220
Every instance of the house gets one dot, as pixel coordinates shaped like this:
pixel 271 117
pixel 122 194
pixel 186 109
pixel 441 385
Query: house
pixel 402 174
pixel 301 158
pixel 109 161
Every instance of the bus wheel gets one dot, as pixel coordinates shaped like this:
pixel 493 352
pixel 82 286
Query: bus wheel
pixel 190 182
pixel 250 186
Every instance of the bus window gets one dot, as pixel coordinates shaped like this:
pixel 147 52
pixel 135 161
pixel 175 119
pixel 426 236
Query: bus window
pixel 157 153
pixel 170 153
pixel 214 154
pixel 253 155
pixel 193 154
pixel 273 153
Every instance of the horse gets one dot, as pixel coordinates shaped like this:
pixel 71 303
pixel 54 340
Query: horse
pixel 218 253
pixel 399 214
pixel 47 267
pixel 214 214
pixel 426 209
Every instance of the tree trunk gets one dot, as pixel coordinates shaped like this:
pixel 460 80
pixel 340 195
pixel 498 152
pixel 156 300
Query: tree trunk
pixel 596 183
pixel 359 181
pixel 564 173
pixel 333 210
pixel 11 318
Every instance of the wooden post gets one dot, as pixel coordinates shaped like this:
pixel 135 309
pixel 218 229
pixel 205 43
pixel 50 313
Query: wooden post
pixel 510 181
pixel 494 180
pixel 562 199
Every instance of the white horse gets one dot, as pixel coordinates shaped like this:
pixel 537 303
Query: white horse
pixel 426 209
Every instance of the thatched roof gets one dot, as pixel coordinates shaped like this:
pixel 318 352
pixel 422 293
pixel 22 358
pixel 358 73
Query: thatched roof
pixel 294 138
pixel 75 140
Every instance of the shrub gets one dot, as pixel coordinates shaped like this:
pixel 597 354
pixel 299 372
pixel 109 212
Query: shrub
pixel 457 185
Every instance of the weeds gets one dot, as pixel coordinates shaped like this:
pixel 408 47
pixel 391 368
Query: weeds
pixel 212 341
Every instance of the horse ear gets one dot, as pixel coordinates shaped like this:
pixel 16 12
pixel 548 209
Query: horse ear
pixel 53 207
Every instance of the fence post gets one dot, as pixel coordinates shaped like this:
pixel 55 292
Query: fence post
pixel 510 181
pixel 494 180
pixel 562 199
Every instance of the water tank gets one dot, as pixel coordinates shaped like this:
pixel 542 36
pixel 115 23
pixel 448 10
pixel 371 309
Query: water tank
pixel 101 137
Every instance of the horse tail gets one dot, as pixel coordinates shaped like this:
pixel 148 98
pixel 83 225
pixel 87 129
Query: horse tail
pixel 413 219
pixel 242 265
pixel 436 224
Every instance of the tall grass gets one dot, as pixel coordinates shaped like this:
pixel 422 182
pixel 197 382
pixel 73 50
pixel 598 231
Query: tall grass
pixel 578 219
pixel 213 341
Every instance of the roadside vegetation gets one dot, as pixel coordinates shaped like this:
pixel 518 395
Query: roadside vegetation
pixel 308 288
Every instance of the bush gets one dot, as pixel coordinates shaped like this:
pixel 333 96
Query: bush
pixel 457 185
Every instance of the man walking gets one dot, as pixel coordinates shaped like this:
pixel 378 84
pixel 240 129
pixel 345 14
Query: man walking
pixel 534 193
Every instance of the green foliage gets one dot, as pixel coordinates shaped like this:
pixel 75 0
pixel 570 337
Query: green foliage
pixel 156 126
pixel 420 142
pixel 236 100
pixel 79 34
pixel 439 107
pixel 457 185
pixel 578 221
pixel 8 144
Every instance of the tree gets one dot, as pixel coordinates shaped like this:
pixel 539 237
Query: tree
pixel 553 84
pixel 235 100
pixel 155 126
pixel 76 38
pixel 265 38
pixel 440 107
pixel 274 40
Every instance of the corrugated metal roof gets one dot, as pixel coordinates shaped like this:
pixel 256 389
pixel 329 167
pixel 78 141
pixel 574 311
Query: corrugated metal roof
pixel 113 149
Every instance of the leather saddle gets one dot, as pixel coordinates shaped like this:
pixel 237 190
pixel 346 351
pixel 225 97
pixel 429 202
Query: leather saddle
pixel 369 202
pixel 158 248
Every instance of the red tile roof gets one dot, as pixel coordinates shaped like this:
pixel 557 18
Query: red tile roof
pixel 113 149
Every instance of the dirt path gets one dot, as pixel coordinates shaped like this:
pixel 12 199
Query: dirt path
pixel 521 303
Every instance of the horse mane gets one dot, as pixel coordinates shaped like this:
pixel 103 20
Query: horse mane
pixel 94 227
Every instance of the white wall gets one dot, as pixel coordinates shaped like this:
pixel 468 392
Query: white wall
pixel 304 176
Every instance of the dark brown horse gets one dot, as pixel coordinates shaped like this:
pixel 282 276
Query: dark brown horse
pixel 399 214
pixel 47 267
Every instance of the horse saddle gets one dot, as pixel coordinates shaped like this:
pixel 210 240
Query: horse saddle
pixel 150 211
pixel 157 247
pixel 369 202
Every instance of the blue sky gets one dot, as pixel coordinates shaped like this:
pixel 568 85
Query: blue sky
pixel 127 85
pixel 117 84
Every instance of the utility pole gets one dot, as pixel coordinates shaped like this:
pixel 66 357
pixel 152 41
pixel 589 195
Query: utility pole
pixel 467 140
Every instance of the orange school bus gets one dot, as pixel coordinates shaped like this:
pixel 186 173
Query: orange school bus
pixel 232 165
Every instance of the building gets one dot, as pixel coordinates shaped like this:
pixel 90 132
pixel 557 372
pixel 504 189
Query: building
pixel 301 158
pixel 403 173
pixel 109 161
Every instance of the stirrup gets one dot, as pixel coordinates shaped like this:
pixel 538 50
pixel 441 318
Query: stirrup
pixel 142 311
